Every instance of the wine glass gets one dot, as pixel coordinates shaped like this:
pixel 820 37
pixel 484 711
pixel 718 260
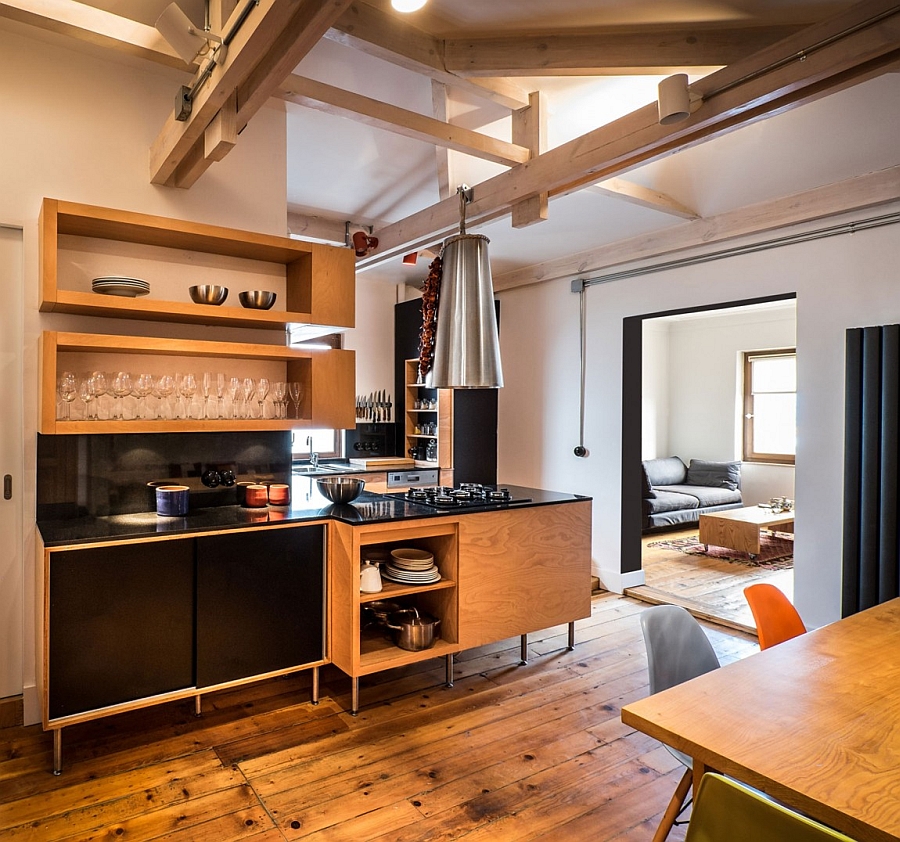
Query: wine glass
pixel 220 394
pixel 206 385
pixel 99 387
pixel 143 387
pixel 86 393
pixel 121 389
pixel 296 392
pixel 249 389
pixel 262 389
pixel 68 389
pixel 279 391
pixel 165 388
pixel 234 392
pixel 188 389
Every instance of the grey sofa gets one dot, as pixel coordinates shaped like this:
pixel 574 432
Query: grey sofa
pixel 674 493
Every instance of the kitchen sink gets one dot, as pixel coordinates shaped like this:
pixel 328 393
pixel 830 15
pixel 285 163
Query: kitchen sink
pixel 321 470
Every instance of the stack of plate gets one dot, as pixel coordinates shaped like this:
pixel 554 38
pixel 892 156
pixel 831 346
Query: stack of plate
pixel 412 567
pixel 130 287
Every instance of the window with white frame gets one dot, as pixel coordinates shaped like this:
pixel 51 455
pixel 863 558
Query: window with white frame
pixel 770 406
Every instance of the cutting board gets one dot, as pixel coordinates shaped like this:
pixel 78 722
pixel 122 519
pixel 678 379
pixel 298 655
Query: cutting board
pixel 384 463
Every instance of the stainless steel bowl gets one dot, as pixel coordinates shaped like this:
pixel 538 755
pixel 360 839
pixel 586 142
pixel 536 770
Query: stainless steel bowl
pixel 257 299
pixel 208 294
pixel 340 489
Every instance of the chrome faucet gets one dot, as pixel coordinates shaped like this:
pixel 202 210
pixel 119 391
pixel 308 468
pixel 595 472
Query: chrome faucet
pixel 313 456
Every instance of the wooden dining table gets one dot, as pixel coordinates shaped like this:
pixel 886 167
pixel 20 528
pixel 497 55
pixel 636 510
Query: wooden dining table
pixel 814 722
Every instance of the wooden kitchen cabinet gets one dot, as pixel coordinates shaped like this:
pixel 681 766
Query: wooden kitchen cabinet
pixel 130 624
pixel 327 377
pixel 120 625
pixel 521 570
pixel 361 651
pixel 260 607
pixel 315 284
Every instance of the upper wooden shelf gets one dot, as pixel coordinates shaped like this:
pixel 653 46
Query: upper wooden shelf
pixel 315 283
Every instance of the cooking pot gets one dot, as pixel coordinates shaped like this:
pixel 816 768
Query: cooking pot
pixel 411 630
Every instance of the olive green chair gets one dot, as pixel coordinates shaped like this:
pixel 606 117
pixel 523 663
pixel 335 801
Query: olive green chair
pixel 728 811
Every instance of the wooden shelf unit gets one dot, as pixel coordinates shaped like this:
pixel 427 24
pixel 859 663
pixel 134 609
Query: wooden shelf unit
pixel 327 377
pixel 442 415
pixel 315 283
pixel 358 651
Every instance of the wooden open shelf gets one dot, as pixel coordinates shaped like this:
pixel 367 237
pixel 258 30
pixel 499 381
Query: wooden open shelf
pixel 315 282
pixel 327 377
pixel 393 590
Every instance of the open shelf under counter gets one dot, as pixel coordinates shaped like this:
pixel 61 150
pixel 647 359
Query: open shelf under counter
pixel 393 590
pixel 377 653
pixel 326 376
pixel 314 283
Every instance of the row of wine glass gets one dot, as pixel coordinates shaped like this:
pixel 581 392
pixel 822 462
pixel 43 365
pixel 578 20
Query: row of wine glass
pixel 123 395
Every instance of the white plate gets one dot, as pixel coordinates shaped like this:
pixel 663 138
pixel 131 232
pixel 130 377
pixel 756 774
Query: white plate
pixel 117 280
pixel 405 581
pixel 121 289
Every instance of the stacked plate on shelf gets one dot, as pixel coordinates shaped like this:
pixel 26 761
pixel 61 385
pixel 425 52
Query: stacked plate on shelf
pixel 412 567
pixel 113 285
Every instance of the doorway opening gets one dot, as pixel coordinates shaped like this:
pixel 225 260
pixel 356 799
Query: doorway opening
pixel 683 397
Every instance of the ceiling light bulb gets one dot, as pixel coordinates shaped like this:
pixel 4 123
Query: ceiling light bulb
pixel 408 5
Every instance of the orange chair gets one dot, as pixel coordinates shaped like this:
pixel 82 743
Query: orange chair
pixel 776 619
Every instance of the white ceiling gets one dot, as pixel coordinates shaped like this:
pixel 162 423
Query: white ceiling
pixel 345 171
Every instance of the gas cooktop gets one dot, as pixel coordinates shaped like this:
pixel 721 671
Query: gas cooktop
pixel 465 495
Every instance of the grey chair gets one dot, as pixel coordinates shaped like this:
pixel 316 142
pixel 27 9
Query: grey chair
pixel 677 651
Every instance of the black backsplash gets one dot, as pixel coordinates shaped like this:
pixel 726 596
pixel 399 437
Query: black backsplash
pixel 99 475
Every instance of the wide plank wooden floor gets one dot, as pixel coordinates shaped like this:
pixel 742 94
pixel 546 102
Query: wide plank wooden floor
pixel 707 587
pixel 533 752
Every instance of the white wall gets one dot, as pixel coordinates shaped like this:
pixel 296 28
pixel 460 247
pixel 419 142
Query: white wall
pixel 373 336
pixel 699 358
pixel 78 125
pixel 840 282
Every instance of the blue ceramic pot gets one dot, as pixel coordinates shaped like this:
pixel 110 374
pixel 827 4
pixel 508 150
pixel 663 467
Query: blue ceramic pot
pixel 172 500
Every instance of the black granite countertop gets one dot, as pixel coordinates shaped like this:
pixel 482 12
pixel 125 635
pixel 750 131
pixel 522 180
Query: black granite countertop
pixel 306 505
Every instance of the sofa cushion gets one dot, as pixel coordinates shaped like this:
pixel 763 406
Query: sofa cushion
pixel 703 495
pixel 669 471
pixel 713 474
pixel 647 491
pixel 669 501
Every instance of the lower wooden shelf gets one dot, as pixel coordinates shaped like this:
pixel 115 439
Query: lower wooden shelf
pixel 378 652
pixel 391 590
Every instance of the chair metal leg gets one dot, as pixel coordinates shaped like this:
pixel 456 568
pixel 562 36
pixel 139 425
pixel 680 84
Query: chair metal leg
pixel 315 686
pixel 523 650
pixel 676 804
pixel 57 751
pixel 449 670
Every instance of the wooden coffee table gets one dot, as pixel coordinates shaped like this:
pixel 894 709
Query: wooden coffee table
pixel 738 529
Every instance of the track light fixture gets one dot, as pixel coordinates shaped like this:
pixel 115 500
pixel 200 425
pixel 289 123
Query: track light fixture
pixel 675 100
pixel 190 42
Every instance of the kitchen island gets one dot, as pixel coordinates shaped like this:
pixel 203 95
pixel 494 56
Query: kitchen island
pixel 140 609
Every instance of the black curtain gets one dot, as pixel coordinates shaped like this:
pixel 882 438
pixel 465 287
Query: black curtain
pixel 871 557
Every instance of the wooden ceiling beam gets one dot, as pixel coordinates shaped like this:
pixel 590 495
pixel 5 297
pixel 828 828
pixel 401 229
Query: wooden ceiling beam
pixel 608 52
pixel 838 53
pixel 332 100
pixel 370 31
pixel 272 40
pixel 94 26
pixel 637 194
pixel 854 194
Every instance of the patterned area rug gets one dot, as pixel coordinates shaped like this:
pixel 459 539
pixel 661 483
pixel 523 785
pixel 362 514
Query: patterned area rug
pixel 776 551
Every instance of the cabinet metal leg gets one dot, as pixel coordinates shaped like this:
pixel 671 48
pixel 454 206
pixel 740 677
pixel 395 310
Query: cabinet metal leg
pixel 57 751
pixel 571 635
pixel 449 666
pixel 523 650
pixel 315 686
pixel 197 705
pixel 354 696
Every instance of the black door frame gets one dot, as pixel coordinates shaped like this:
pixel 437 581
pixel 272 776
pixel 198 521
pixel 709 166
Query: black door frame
pixel 632 420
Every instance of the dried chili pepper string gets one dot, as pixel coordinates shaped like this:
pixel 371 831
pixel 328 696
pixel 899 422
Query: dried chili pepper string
pixel 430 295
